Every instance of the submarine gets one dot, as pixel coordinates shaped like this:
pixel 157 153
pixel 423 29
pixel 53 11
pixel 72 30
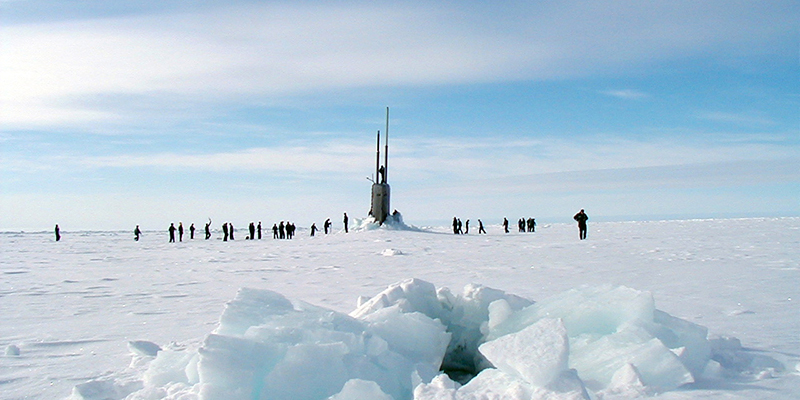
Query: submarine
pixel 381 192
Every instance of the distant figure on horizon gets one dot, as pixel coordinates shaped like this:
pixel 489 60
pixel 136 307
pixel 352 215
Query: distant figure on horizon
pixel 58 233
pixel 275 231
pixel 581 217
pixel 505 224
pixel 521 224
pixel 191 231
pixel 466 227
pixel 225 232
pixel 259 230
pixel 230 229
pixel 252 229
pixel 313 228
pixel 345 220
pixel 533 225
pixel 208 229
pixel 455 226
pixel 327 225
pixel 172 232
pixel 289 230
pixel 180 231
pixel 480 227
pixel 136 233
pixel 282 230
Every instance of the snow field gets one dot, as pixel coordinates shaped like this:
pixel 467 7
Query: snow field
pixel 78 303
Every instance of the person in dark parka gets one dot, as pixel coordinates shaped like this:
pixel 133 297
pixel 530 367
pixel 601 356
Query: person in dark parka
pixel 581 217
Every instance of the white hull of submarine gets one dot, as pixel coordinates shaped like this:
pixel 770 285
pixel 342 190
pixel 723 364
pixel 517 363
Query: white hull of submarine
pixel 381 191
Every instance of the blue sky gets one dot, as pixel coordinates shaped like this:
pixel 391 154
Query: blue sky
pixel 121 113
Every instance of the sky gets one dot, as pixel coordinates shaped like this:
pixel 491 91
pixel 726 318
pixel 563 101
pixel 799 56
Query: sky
pixel 114 114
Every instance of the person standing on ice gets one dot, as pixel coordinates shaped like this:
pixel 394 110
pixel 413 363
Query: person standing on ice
pixel 136 233
pixel 180 231
pixel 225 232
pixel 172 232
pixel 230 229
pixel 191 231
pixel 581 217
pixel 275 231
pixel 259 230
pixel 466 227
pixel 252 228
pixel 455 226
pixel 208 229
pixel 480 227
pixel 345 220
pixel 505 224
pixel 58 233
pixel 327 225
pixel 282 230
pixel 313 228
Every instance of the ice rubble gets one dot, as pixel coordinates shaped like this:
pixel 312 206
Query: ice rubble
pixel 414 341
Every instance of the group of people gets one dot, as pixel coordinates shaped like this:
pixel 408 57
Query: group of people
pixel 282 230
pixel 288 229
pixel 457 227
pixel 171 230
pixel 527 225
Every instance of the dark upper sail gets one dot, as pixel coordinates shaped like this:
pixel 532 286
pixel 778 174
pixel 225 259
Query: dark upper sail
pixel 380 187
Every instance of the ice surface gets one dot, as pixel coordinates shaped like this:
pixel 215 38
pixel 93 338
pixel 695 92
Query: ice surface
pixel 399 344
pixel 171 295
pixel 358 389
pixel 269 347
pixel 538 354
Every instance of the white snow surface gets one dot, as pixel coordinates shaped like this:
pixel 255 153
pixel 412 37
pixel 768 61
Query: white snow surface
pixel 672 309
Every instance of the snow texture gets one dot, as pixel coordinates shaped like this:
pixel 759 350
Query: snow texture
pixel 593 331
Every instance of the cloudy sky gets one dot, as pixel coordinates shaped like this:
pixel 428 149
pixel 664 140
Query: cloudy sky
pixel 147 112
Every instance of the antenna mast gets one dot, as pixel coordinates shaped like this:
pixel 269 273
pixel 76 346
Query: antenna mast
pixel 386 151
pixel 378 159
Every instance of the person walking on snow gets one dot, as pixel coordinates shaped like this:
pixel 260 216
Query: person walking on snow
pixel 581 217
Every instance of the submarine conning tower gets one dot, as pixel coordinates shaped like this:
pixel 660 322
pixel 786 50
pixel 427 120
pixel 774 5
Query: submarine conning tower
pixel 380 187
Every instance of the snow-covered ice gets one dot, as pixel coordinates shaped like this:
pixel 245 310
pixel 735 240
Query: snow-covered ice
pixel 674 309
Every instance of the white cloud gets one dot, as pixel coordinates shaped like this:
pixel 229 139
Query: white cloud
pixel 628 94
pixel 740 119
pixel 288 49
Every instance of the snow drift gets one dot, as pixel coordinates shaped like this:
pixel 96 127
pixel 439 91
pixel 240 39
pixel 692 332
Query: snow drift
pixel 416 341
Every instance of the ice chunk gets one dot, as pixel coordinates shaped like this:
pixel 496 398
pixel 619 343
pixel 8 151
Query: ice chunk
pixel 587 310
pixel 413 335
pixel 234 367
pixel 495 384
pixel 690 338
pixel 625 384
pixel 440 388
pixel 144 348
pixel 12 350
pixel 251 307
pixel 359 389
pixel 410 295
pixel 598 359
pixel 537 354
pixel 169 366
pixel 104 389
